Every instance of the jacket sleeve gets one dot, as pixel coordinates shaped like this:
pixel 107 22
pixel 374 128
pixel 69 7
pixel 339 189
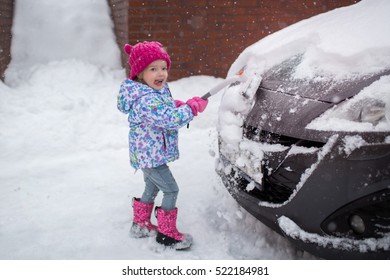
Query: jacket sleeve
pixel 155 111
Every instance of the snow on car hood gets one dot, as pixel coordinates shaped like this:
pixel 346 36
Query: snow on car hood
pixel 342 42
pixel 339 45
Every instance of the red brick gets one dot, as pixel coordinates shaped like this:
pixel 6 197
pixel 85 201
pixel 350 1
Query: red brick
pixel 206 36
pixel 6 17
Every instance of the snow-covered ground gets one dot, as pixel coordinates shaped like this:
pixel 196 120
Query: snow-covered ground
pixel 65 180
pixel 66 183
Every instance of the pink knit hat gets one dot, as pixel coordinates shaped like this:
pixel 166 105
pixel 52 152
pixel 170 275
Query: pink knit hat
pixel 142 54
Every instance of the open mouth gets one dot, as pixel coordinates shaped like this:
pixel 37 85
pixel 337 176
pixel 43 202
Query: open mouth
pixel 158 83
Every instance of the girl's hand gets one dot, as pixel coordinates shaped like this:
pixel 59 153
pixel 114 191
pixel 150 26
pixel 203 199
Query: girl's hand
pixel 197 104
pixel 179 103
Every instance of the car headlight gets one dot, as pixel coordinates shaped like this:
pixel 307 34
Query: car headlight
pixel 364 114
pixel 368 110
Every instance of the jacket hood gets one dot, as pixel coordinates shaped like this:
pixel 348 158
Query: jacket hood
pixel 136 90
pixel 131 91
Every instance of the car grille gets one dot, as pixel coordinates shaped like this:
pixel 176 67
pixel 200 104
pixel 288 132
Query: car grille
pixel 276 185
pixel 267 192
pixel 263 136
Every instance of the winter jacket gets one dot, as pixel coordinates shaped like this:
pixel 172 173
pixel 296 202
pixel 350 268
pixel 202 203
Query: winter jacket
pixel 154 121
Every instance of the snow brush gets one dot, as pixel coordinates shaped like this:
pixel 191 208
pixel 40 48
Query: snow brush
pixel 240 77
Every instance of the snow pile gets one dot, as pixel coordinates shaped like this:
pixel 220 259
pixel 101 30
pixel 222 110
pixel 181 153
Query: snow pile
pixel 235 105
pixel 58 101
pixel 77 29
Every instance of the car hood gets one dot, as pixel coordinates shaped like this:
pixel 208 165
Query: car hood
pixel 285 105
pixel 281 78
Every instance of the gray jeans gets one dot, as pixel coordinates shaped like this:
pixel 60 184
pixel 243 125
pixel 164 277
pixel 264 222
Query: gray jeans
pixel 160 179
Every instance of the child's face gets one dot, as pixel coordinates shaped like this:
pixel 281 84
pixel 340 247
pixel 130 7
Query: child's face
pixel 155 74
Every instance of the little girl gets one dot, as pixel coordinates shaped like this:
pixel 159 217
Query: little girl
pixel 154 120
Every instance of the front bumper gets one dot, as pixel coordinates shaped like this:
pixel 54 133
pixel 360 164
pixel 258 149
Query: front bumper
pixel 336 188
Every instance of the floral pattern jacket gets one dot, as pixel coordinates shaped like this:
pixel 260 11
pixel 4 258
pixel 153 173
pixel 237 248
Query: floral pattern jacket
pixel 154 121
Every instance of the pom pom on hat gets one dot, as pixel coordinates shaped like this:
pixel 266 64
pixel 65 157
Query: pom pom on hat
pixel 142 54
pixel 128 49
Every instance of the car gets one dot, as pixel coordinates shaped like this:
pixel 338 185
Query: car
pixel 308 155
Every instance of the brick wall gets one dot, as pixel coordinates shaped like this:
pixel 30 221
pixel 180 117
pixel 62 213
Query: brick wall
pixel 120 16
pixel 204 37
pixel 6 15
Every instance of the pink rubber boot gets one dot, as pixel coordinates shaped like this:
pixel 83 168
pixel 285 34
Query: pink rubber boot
pixel 167 233
pixel 142 226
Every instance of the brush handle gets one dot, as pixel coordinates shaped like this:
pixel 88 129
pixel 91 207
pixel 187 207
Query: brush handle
pixel 206 96
pixel 224 83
